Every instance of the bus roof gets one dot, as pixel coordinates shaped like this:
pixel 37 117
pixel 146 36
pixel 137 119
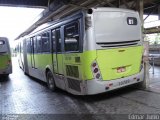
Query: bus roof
pixel 110 9
pixel 3 38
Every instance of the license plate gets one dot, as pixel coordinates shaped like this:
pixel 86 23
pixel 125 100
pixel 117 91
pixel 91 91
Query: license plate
pixel 124 82
pixel 121 69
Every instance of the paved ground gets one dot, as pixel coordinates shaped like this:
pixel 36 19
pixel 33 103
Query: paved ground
pixel 21 94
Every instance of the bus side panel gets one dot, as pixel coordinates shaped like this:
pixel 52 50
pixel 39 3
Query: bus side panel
pixel 88 57
pixel 26 70
pixel 78 65
pixel 72 65
pixel 55 65
pixel 42 61
pixel 29 62
pixel 60 64
pixel 4 58
pixel 73 72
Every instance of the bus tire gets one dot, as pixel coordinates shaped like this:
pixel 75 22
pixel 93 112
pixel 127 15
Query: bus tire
pixel 50 81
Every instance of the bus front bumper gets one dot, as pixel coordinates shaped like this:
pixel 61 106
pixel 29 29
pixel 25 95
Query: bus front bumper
pixel 97 86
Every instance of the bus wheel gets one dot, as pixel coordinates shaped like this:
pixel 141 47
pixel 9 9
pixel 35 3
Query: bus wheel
pixel 50 81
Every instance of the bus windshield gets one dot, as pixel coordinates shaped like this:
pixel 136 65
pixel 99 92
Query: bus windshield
pixel 2 42
pixel 3 46
pixel 109 26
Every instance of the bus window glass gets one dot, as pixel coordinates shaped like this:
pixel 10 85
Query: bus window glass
pixel 28 46
pixel 45 42
pixel 39 43
pixel 56 39
pixel 3 46
pixel 31 43
pixel 2 42
pixel 21 47
pixel 72 37
pixel 34 45
pixel 18 49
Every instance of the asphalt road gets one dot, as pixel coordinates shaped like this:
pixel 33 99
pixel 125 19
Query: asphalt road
pixel 23 95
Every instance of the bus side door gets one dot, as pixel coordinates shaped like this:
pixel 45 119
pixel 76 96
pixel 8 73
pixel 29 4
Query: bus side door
pixel 58 58
pixel 33 51
pixel 26 44
pixel 57 55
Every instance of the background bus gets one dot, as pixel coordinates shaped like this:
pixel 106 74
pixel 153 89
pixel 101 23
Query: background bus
pixel 19 53
pixel 5 57
pixel 89 52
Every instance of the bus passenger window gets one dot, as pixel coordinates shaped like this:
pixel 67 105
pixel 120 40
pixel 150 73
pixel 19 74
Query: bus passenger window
pixel 28 46
pixel 56 38
pixel 2 42
pixel 39 43
pixel 3 46
pixel 45 42
pixel 72 37
pixel 34 45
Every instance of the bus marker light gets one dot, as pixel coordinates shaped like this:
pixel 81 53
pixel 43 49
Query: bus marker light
pixel 94 64
pixel 95 70
pixel 98 76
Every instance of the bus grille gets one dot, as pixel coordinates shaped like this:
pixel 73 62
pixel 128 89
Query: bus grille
pixel 117 44
pixel 74 84
pixel 72 71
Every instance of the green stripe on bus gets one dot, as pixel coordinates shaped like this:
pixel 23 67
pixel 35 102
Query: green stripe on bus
pixel 4 61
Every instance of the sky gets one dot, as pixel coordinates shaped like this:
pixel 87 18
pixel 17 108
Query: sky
pixel 15 20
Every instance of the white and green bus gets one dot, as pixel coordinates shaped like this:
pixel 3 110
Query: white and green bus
pixel 19 52
pixel 5 57
pixel 89 52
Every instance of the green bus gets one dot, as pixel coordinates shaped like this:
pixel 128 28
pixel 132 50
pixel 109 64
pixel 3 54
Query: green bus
pixel 5 57
pixel 88 52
